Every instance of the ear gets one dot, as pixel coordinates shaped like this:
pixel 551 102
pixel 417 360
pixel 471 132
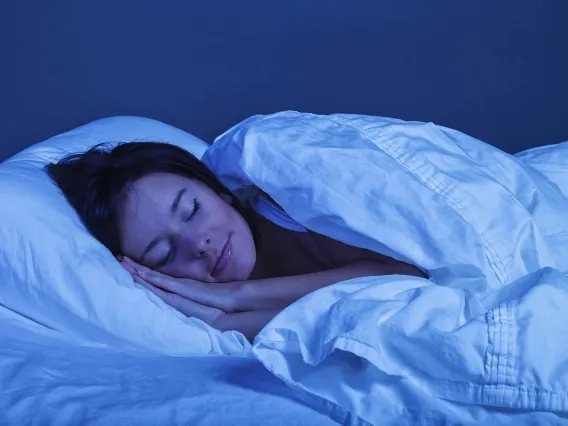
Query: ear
pixel 227 198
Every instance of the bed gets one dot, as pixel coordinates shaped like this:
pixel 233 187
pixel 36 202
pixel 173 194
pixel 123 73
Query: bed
pixel 83 344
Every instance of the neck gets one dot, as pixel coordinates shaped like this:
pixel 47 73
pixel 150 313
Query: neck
pixel 264 235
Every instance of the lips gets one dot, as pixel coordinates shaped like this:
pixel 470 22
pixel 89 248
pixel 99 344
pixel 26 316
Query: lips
pixel 222 258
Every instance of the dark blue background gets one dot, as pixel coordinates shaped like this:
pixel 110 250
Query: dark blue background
pixel 495 69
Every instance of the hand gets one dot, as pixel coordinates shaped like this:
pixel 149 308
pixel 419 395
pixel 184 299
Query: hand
pixel 184 305
pixel 206 295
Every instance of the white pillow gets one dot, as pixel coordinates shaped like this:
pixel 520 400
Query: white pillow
pixel 54 272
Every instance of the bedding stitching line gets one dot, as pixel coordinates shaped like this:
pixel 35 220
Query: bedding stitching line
pixel 509 192
pixel 500 333
pixel 445 193
pixel 441 191
pixel 495 260
pixel 481 386
pixel 514 158
pixel 501 345
pixel 456 205
pixel 490 351
pixel 511 339
pixel 494 257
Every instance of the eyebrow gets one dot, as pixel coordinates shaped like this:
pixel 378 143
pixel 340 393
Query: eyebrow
pixel 173 209
pixel 178 198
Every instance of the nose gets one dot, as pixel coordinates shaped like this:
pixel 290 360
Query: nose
pixel 200 246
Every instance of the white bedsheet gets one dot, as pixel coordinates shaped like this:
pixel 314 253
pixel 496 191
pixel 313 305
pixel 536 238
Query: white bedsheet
pixel 485 340
pixel 51 379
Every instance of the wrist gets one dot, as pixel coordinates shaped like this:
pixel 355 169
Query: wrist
pixel 236 299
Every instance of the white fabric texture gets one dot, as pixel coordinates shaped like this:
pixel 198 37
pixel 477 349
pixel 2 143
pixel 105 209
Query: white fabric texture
pixel 551 161
pixel 49 378
pixel 55 273
pixel 484 340
pixel 266 208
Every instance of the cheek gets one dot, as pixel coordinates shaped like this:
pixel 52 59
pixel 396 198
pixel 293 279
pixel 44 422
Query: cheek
pixel 220 215
pixel 183 268
pixel 131 244
pixel 245 238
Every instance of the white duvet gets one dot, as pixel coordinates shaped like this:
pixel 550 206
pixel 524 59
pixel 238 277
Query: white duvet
pixel 485 340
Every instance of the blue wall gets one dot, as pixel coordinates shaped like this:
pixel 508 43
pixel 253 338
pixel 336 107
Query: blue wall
pixel 495 69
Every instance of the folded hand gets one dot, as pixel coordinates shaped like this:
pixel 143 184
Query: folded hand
pixel 205 301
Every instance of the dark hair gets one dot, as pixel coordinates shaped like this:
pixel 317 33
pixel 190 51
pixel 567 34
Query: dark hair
pixel 94 181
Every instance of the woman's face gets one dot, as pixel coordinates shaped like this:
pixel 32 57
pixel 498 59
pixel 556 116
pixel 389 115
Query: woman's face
pixel 180 227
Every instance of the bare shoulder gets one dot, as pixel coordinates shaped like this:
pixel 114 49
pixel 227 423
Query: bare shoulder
pixel 342 254
pixel 282 252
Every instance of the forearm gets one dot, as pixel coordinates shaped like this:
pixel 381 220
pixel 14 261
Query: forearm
pixel 277 293
pixel 248 323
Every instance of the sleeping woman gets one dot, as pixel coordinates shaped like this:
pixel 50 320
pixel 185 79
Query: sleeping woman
pixel 185 237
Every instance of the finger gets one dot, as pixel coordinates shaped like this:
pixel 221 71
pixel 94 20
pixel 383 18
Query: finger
pixel 187 307
pixel 158 279
pixel 195 310
pixel 169 298
pixel 165 282
pixel 135 264
pixel 157 291
pixel 128 268
pixel 144 269
pixel 218 296
pixel 131 262
pixel 189 289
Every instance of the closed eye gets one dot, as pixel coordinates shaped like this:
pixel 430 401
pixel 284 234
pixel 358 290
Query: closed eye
pixel 171 252
pixel 196 207
pixel 168 257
